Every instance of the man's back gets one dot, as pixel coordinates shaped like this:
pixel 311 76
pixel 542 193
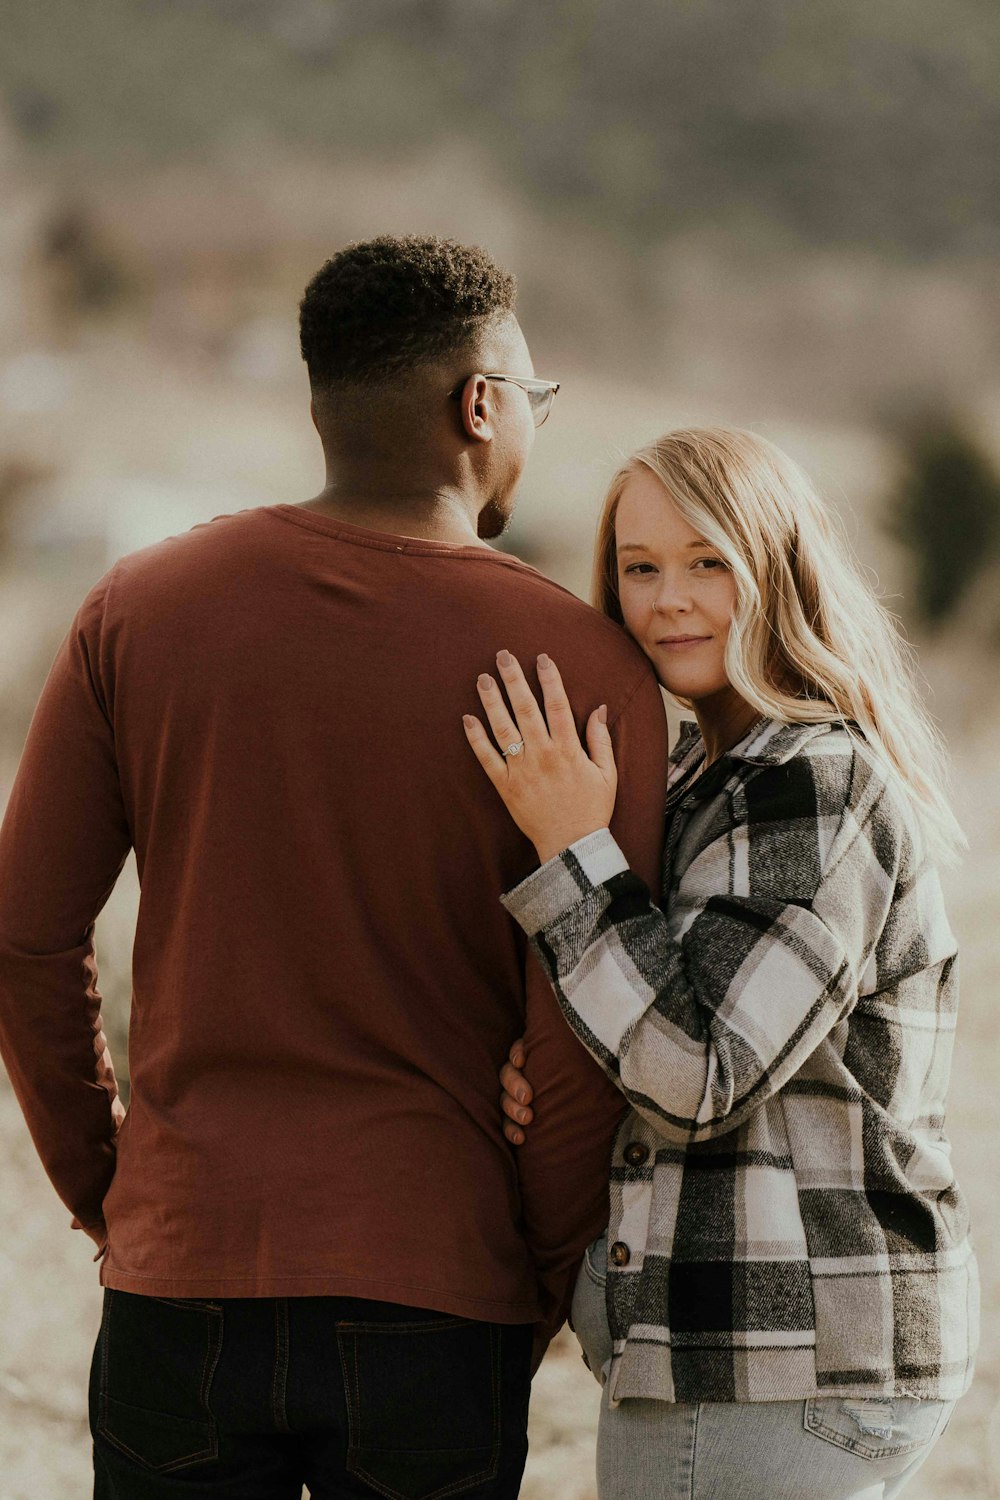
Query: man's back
pixel 324 980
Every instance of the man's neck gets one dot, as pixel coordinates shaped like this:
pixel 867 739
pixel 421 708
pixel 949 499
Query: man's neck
pixel 445 516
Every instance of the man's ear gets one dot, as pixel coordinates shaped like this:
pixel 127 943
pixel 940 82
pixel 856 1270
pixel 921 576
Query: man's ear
pixel 475 404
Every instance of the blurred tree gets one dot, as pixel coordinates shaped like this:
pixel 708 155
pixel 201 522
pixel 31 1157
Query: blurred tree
pixel 18 477
pixel 82 275
pixel 947 513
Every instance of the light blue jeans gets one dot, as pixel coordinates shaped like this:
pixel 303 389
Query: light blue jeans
pixel 826 1448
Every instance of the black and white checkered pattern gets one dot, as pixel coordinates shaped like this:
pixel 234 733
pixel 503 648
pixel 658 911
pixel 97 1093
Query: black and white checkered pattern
pixel 782 1187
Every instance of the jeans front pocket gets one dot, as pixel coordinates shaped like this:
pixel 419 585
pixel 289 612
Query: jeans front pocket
pixel 595 1260
pixel 157 1357
pixel 873 1427
pixel 589 1314
pixel 423 1404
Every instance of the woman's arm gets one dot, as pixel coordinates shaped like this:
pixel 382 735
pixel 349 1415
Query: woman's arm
pixel 698 1021
pixel 562 1168
pixel 782 912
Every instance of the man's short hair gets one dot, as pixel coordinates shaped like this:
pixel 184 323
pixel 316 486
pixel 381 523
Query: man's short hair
pixel 390 304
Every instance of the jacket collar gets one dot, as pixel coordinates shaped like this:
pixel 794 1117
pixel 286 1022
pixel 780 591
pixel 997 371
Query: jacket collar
pixel 769 742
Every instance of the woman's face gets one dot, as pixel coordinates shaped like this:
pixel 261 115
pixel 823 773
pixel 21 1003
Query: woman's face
pixel 676 593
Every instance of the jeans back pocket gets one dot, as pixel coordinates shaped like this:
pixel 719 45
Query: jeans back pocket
pixel 423 1404
pixel 156 1358
pixel 873 1427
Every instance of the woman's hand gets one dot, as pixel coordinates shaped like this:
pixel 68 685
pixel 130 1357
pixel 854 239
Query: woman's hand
pixel 555 792
pixel 517 1095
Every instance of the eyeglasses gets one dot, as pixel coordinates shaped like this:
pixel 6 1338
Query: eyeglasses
pixel 540 393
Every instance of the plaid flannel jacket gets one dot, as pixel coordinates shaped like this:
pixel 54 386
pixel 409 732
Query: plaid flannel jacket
pixel 785 1221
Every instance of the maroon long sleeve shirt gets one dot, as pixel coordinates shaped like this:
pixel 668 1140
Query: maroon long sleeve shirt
pixel 268 708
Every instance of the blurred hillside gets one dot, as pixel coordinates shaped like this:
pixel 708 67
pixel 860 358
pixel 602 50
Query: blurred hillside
pixel 793 203
pixel 809 121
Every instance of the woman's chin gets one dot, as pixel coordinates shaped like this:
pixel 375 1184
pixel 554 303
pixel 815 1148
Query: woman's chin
pixel 688 685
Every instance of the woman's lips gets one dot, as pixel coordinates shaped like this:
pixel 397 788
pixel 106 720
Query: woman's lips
pixel 683 642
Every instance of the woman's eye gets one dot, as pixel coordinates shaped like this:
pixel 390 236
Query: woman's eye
pixel 709 563
pixel 639 568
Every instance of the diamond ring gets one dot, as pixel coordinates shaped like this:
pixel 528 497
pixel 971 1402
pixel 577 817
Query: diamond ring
pixel 513 749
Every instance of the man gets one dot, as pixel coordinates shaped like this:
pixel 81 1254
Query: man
pixel 322 1263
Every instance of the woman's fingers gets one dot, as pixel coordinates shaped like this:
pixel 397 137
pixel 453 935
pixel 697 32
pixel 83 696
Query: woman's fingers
pixel 527 722
pixel 517 1094
pixel 519 1113
pixel 522 699
pixel 505 729
pixel 484 751
pixel 602 752
pixel 514 1081
pixel 558 710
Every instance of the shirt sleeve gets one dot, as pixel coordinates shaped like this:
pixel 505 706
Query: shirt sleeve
pixel 564 1164
pixel 701 1018
pixel 64 840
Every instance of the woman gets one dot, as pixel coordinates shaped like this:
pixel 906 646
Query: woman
pixel 786 1300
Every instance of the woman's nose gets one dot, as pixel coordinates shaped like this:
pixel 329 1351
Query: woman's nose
pixel 671 600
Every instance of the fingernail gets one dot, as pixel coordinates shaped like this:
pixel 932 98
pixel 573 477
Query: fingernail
pixel 602 713
pixel 543 661
pixel 484 681
pixel 522 1115
pixel 468 720
pixel 522 1097
pixel 504 658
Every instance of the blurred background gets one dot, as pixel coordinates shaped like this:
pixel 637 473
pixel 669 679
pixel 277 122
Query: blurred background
pixel 776 215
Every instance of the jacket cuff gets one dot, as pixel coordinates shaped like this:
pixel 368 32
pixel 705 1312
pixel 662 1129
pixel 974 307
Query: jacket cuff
pixel 563 881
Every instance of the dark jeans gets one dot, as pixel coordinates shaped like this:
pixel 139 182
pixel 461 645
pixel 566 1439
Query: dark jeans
pixel 252 1398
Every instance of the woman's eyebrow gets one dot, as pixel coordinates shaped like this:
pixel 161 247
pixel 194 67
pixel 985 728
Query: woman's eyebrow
pixel 699 541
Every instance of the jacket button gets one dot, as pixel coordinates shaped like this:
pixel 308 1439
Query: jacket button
pixel 620 1254
pixel 636 1153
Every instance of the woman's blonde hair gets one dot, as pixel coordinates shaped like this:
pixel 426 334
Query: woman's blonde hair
pixel 809 641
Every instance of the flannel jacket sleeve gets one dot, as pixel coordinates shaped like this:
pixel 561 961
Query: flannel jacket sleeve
pixel 563 1164
pixel 701 1015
